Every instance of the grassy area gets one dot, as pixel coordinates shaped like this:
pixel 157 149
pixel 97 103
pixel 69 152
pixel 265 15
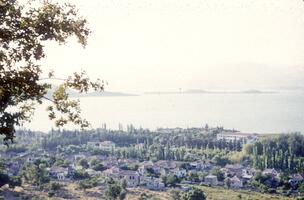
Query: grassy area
pixel 224 194
pixel 134 193
pixel 212 194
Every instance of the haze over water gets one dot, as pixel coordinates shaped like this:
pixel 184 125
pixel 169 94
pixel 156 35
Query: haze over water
pixel 163 45
pixel 262 113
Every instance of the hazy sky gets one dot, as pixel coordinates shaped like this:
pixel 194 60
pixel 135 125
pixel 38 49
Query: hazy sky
pixel 153 45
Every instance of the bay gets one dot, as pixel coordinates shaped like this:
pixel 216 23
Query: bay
pixel 260 113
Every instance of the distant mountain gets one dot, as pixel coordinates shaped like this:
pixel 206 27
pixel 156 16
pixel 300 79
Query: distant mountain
pixel 198 91
pixel 257 92
pixel 75 94
pixel 105 94
pixel 162 92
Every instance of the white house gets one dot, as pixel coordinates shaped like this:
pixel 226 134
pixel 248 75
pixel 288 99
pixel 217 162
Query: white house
pixel 105 145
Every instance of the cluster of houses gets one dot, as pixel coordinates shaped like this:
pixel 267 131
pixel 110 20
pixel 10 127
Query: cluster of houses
pixel 235 176
pixel 147 173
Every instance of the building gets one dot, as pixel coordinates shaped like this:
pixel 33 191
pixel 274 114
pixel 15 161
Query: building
pixel 211 180
pixel 201 165
pixel 59 173
pixel 131 177
pixel 154 184
pixel 232 170
pixel 144 166
pixel 110 162
pixel 164 164
pixel 270 172
pixel 105 145
pixel 180 173
pixel 236 136
pixel 235 182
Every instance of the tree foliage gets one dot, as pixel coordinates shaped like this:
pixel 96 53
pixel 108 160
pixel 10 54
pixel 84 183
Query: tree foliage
pixel 24 30
pixel 284 152
pixel 194 194
pixel 115 191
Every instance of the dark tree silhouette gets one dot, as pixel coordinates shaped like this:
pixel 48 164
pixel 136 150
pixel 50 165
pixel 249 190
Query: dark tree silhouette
pixel 23 32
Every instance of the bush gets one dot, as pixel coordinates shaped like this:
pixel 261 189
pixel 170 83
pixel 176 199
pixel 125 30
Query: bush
pixel 194 194
pixel 99 167
pixel 15 181
pixel 4 179
pixel 51 193
pixel 54 186
pixel 80 174
pixel 87 183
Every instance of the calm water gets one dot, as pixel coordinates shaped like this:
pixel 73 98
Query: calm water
pixel 282 112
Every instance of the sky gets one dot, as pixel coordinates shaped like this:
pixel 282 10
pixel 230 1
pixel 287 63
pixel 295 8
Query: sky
pixel 164 45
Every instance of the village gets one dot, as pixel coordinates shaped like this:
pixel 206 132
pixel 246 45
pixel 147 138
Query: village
pixel 68 165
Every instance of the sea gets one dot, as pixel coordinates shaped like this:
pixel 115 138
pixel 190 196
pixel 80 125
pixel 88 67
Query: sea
pixel 281 112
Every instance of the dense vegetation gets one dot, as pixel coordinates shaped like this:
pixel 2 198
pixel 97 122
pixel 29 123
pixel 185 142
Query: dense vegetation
pixel 283 152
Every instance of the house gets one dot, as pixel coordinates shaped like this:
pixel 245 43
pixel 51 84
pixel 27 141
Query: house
pixel 164 164
pixel 179 173
pixel 247 174
pixel 128 161
pixel 144 166
pixel 211 180
pixel 249 171
pixel 270 172
pixel 154 184
pixel 232 170
pixel 235 182
pixel 113 172
pixel 105 145
pixel 200 165
pixel 60 173
pixel 110 162
pixel 132 177
pixel 164 171
pixel 247 177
